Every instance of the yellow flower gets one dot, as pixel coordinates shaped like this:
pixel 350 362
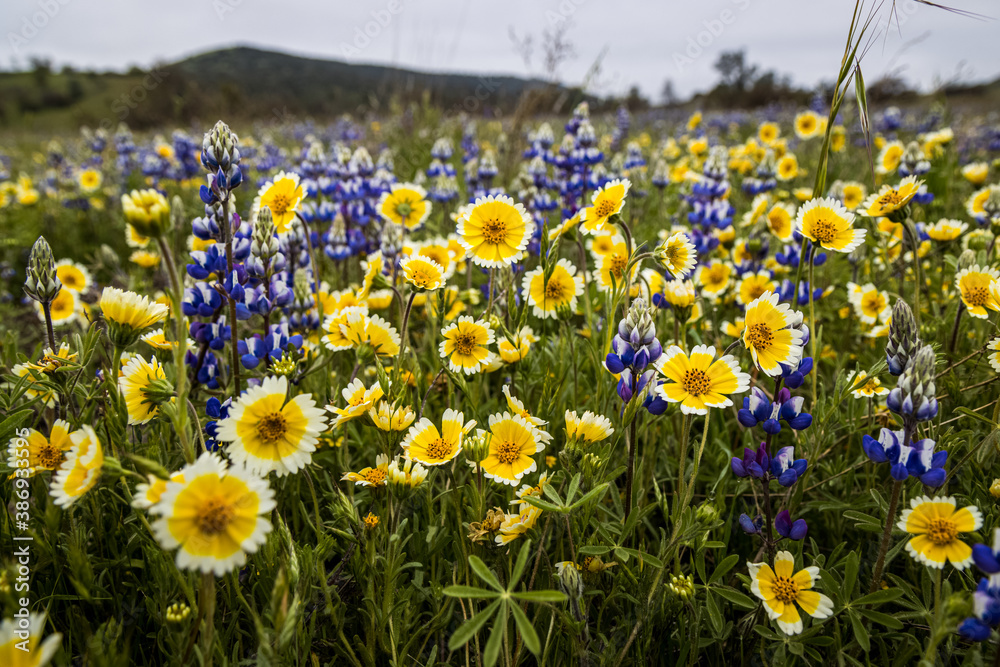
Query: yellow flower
pixel 134 382
pixel 517 408
pixel 149 493
pixel 838 138
pixel 22 646
pixel 783 588
pixel 214 516
pixel 700 381
pixel 826 222
pixel 679 293
pixel 177 612
pixel 80 470
pixel 405 204
pixel 515 349
pixel 677 255
pixel 807 124
pixel 935 525
pixel 606 202
pixel 788 167
pixel 373 477
pixel 769 334
pixel 73 276
pixel 889 199
pixel 890 157
pixel 780 221
pixel 387 418
pixel 558 293
pixel 946 230
pixel 513 441
pixel 803 194
pixel 694 121
pixel 734 329
pixel 371 521
pixel 567 226
pixel 714 278
pixel 978 289
pixel 268 433
pixel 753 286
pixel 852 194
pixel 147 260
pixel 359 401
pixel 134 239
pixel 870 304
pixel 976 172
pixel 422 273
pixel 63 309
pixel 373 330
pixel 129 311
pixel 89 180
pixel 495 231
pixel 994 345
pixel 335 338
pixel 147 211
pixel 426 444
pixel 862 386
pixel 768 132
pixel 588 427
pixel 35 453
pixel 466 345
pixel 516 525
pixel 373 268
pixel 282 194
pixel 976 206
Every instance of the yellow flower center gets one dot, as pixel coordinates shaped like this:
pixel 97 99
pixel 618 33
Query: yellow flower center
pixel 465 343
pixel 824 230
pixel 760 336
pixel 977 295
pixel 49 456
pixel 508 452
pixel 941 531
pixel 279 204
pixel 618 263
pixel 272 427
pixel 696 382
pixel 215 515
pixel 495 231
pixel 785 590
pixel 604 208
pixel 889 201
pixel 421 277
pixel 375 476
pixel 439 449
pixel 554 290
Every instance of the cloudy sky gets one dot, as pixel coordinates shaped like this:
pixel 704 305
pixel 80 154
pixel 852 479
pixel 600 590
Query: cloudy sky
pixel 641 42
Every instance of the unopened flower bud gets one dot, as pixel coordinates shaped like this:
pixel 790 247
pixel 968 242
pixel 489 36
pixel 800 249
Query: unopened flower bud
pixel 42 284
pixel 903 337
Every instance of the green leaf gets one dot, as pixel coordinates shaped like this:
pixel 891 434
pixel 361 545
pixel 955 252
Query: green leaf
pixel 543 505
pixel 860 634
pixel 593 550
pixel 469 592
pixel 522 560
pixel 593 494
pixel 483 572
pixel 540 596
pixel 643 556
pixel 574 486
pixel 878 597
pixel 466 631
pixel 722 568
pixel 734 596
pixel 527 630
pixel 850 573
pixel 969 413
pixel 12 423
pixel 496 635
pixel 714 615
pixel 888 621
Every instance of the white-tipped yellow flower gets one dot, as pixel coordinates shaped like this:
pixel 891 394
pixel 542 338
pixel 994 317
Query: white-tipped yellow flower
pixel 495 231
pixel 359 400
pixel 781 221
pixel 870 304
pixel 516 525
pixel 515 349
pixel 677 255
pixel 783 590
pixel 21 642
pixel 147 211
pixel 282 194
pixel 373 477
pixel 889 157
pixel 433 447
pixel 700 381
pixel 407 473
pixel 513 441
pixel 267 432
pixel 977 287
pixel 862 386
pixel 35 453
pixel 607 201
pixel 559 293
pixel 713 278
pixel 588 427
pixel 423 273
pixel 889 200
pixel 936 524
pixel 405 204
pixel 466 345
pixel 129 314
pixel 73 276
pixel 134 383
pixel 387 418
pixel 769 335
pixel 753 285
pixel 214 516
pixel 946 230
pixel 80 470
pixel 808 124
pixel 826 222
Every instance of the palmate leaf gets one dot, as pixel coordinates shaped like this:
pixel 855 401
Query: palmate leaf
pixel 484 573
pixel 469 592
pixel 466 631
pixel 496 636
pixel 527 630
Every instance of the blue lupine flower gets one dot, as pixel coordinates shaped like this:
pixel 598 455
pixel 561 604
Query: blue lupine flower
pixel 751 526
pixel 793 530
pixel 986 606
pixel 753 464
pixel 758 409
pixel 918 459
pixel 786 468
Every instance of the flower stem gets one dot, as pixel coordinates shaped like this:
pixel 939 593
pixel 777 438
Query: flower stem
pixel 689 489
pixel 207 603
pixel 630 474
pixel 812 325
pixel 954 329
pixel 908 226
pixel 233 328
pixel 179 348
pixel 47 310
pixel 685 431
pixel 890 518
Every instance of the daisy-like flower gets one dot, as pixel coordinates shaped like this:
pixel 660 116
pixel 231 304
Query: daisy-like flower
pixel 513 441
pixel 788 167
pixel 63 309
pixel 862 386
pixel 81 468
pixel 89 180
pixel 946 230
pixel 935 524
pixel 768 132
pixel 889 200
pixel 566 227
pixel 146 260
pixel 679 293
pixel 807 124
pixel 769 334
pixel 852 194
pixel 976 172
pixel 466 345
pixel 73 276
pixel 51 362
pixel 373 477
pixel 157 339
pixel 781 221
pixel 214 516
pixel 22 646
pixel 977 287
pixel 433 447
pixel 516 525
pixel 406 204
pixel 129 314
pixel 282 194
pixel 588 427
pixel 148 211
pixel 266 433
pixel 870 304
pixel 826 222
pixel 335 339
pixel 714 278
pixel 495 231
pixel 606 202
pixel 700 381
pixel 134 383
pixel 407 473
pixel 516 406
pixel 517 348
pixel 373 330
pixel 889 157
pixel 387 418
pixel 527 490
pixel 994 345
pixel 149 493
pixel 753 285
pixel 559 293
pixel 373 267
pixel 677 255
pixel 783 588
pixel 423 273
pixel 359 400
pixel 35 453
pixel 440 251
pixel 976 205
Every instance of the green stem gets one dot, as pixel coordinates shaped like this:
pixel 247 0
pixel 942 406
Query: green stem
pixel 813 334
pixel 887 530
pixel 689 489
pixel 47 310
pixel 630 474
pixel 685 430
pixel 179 349
pixel 227 225
pixel 207 603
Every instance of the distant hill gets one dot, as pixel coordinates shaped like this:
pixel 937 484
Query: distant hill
pixel 250 83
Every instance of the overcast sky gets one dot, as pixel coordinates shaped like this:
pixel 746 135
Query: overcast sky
pixel 644 42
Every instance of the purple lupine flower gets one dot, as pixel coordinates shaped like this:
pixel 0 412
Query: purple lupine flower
pixel 786 468
pixel 793 530
pixel 753 464
pixel 917 460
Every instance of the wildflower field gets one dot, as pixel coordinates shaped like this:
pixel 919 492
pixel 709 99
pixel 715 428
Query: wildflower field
pixel 427 390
